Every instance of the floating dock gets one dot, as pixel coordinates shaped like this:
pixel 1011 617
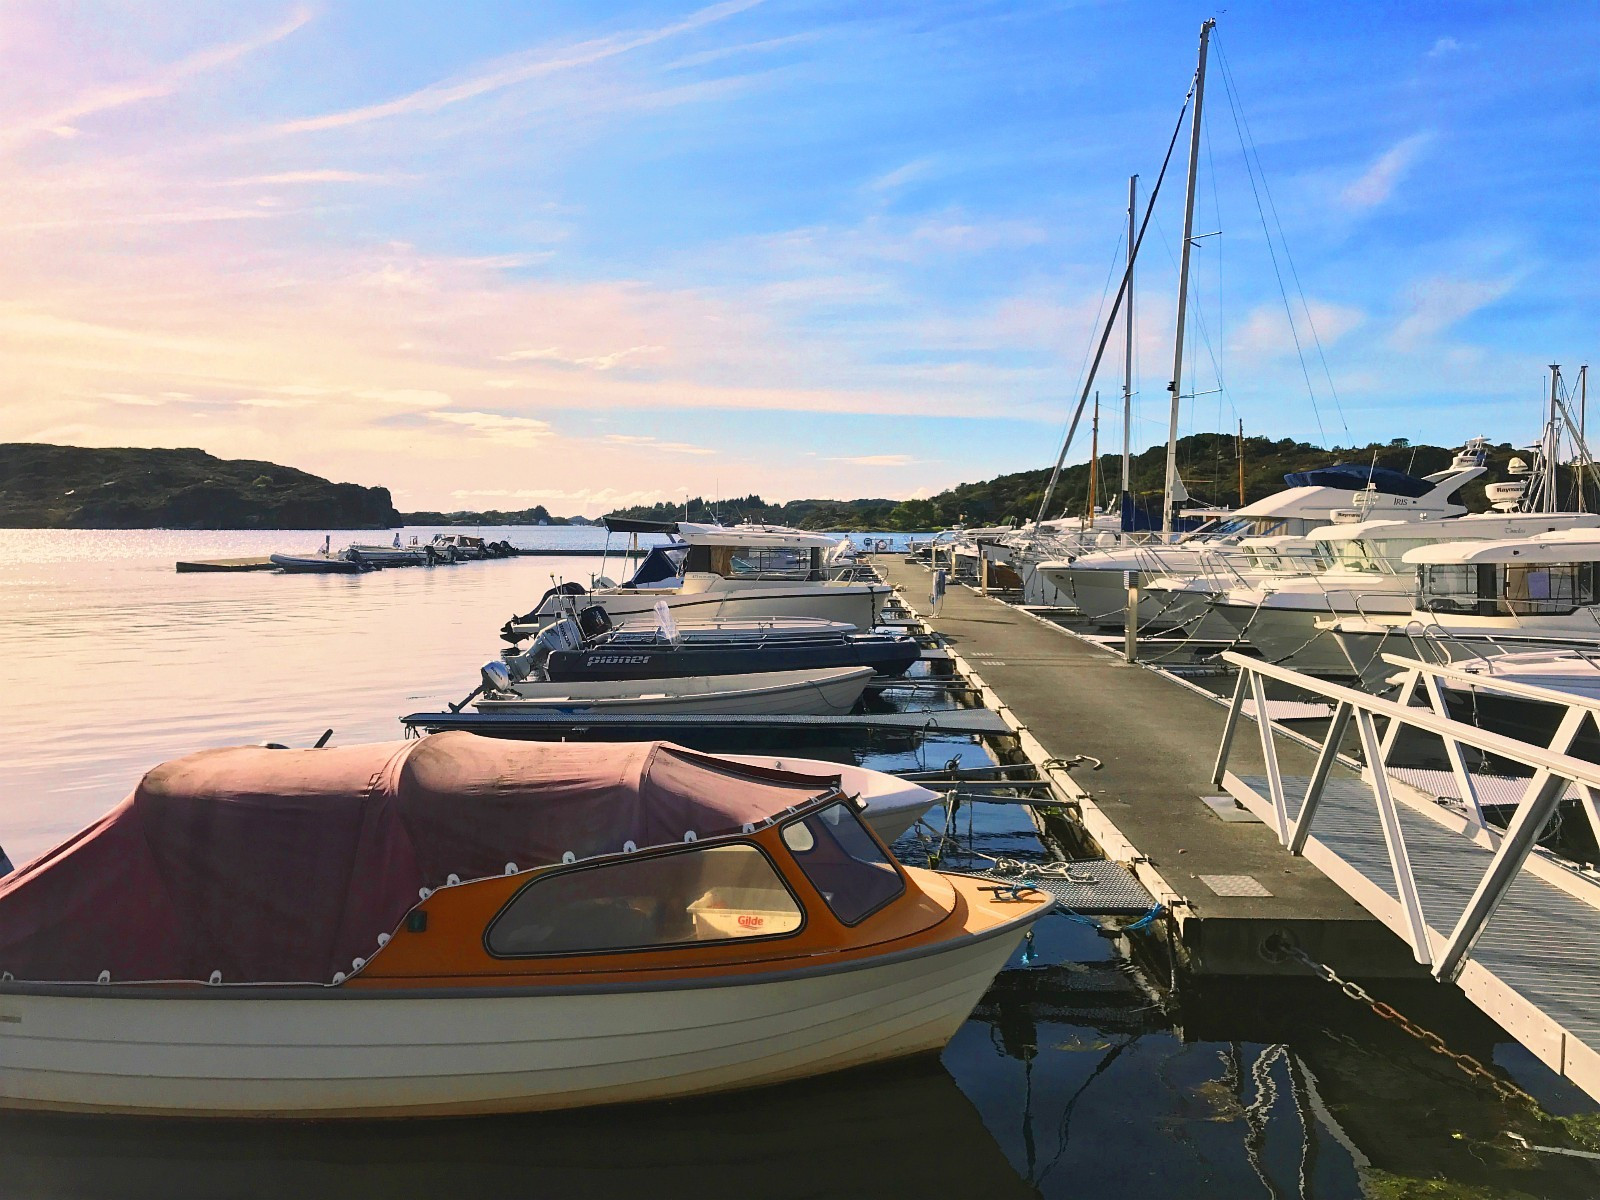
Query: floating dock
pixel 1231 888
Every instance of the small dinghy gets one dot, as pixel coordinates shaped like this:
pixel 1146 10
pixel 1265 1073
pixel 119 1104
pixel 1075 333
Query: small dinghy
pixel 464 925
pixel 587 647
pixel 767 693
pixel 318 564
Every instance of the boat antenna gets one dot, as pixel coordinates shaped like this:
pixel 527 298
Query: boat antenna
pixel 1169 495
pixel 1116 306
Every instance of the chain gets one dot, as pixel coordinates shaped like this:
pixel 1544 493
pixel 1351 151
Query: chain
pixel 1464 1062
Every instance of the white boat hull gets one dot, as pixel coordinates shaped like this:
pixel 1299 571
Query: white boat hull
pixel 854 604
pixel 893 804
pixel 768 693
pixel 347 1053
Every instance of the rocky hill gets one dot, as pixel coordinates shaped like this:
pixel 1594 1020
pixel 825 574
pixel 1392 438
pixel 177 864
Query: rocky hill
pixel 75 487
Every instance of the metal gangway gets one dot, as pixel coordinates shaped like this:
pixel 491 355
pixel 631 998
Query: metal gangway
pixel 1514 926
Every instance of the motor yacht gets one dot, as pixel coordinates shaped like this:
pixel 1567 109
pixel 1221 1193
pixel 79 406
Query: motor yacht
pixel 463 925
pixel 723 572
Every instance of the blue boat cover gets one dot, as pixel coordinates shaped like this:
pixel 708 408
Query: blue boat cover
pixel 1355 477
pixel 663 562
pixel 1137 518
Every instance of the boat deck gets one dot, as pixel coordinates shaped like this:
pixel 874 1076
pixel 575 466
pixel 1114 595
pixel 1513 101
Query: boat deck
pixel 1230 884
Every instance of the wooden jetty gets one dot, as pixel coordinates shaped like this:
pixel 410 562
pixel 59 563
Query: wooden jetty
pixel 1228 883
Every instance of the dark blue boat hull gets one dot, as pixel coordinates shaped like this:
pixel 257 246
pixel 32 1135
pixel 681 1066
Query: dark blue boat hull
pixel 887 655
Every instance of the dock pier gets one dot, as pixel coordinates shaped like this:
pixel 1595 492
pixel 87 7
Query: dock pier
pixel 1231 888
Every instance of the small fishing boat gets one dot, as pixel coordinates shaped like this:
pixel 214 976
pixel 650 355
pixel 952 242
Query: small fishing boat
pixel 465 925
pixel 388 556
pixel 318 564
pixel 587 647
pixel 816 693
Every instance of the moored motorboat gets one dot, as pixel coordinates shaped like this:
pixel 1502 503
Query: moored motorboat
pixel 722 572
pixel 318 564
pixel 462 925
pixel 814 692
pixel 587 647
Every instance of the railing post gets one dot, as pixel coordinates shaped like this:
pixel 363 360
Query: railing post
pixel 1452 750
pixel 1229 726
pixel 1394 839
pixel 1392 733
pixel 1269 757
pixel 1319 777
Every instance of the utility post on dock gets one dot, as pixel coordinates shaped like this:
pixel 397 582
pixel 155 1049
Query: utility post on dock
pixel 1130 623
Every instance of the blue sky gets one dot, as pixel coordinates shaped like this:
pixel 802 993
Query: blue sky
pixel 510 254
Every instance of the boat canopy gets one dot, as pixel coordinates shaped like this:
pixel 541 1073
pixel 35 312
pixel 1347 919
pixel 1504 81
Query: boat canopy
pixel 663 563
pixel 255 865
pixel 1356 477
pixel 1560 546
pixel 627 525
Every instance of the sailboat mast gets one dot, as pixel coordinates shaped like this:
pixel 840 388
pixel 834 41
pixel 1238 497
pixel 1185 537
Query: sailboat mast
pixel 1127 354
pixel 1094 457
pixel 1176 386
pixel 1552 440
pixel 1239 452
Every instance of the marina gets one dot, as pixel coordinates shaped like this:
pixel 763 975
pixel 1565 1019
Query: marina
pixel 501 688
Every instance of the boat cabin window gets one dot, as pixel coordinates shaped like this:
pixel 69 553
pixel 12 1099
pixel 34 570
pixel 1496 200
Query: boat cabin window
pixel 686 897
pixel 766 562
pixel 843 862
pixel 1508 589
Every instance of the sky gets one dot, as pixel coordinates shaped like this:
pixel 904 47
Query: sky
pixel 579 255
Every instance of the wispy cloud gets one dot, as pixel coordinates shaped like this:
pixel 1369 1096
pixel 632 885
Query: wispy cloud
pixel 506 430
pixel 315 175
pixel 877 460
pixel 1444 46
pixel 1439 303
pixel 597 362
pixel 891 180
pixel 631 439
pixel 1265 333
pixel 1377 182
pixel 515 69
pixel 162 82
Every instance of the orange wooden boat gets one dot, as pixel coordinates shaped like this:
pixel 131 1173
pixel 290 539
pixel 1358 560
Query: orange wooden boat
pixel 192 954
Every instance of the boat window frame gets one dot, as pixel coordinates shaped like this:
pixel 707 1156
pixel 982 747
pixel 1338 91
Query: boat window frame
pixel 855 810
pixel 1492 597
pixel 611 860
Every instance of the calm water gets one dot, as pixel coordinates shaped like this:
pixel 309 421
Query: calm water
pixel 1072 1078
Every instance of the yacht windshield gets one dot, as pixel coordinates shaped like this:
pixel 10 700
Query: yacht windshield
pixel 1508 589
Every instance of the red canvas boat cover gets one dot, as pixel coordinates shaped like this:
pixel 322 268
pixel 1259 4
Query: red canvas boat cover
pixel 285 865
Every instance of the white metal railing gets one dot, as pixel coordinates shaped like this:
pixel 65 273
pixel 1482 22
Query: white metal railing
pixel 1552 767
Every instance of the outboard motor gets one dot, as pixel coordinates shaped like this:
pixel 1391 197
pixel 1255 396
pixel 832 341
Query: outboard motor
pixel 594 622
pixel 496 677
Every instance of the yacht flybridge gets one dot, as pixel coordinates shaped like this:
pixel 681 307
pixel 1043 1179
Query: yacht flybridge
pixel 718 572
pixel 1095 581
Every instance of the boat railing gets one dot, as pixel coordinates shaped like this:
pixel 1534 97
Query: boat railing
pixel 1551 772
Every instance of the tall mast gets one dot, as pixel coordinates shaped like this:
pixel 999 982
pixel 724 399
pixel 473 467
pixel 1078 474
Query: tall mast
pixel 1127 354
pixel 1094 457
pixel 1176 386
pixel 1552 440
pixel 1239 452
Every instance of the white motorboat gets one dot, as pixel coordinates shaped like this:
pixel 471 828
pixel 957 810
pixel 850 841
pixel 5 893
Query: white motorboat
pixel 723 572
pixel 1366 576
pixel 1096 582
pixel 1477 600
pixel 767 693
pixel 892 805
pixel 462 925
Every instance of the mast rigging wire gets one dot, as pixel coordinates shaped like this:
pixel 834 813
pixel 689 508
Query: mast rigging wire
pixel 1116 307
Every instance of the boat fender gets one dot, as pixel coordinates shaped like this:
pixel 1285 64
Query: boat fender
pixel 688 836
pixel 628 847
pixel 567 856
pixel 452 880
pixel 511 868
pixel 6 976
pixel 383 940
pixel 216 977
pixel 105 977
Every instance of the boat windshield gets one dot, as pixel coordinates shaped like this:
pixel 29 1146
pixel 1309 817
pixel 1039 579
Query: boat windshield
pixel 1383 556
pixel 1240 527
pixel 686 897
pixel 842 860
pixel 1509 589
